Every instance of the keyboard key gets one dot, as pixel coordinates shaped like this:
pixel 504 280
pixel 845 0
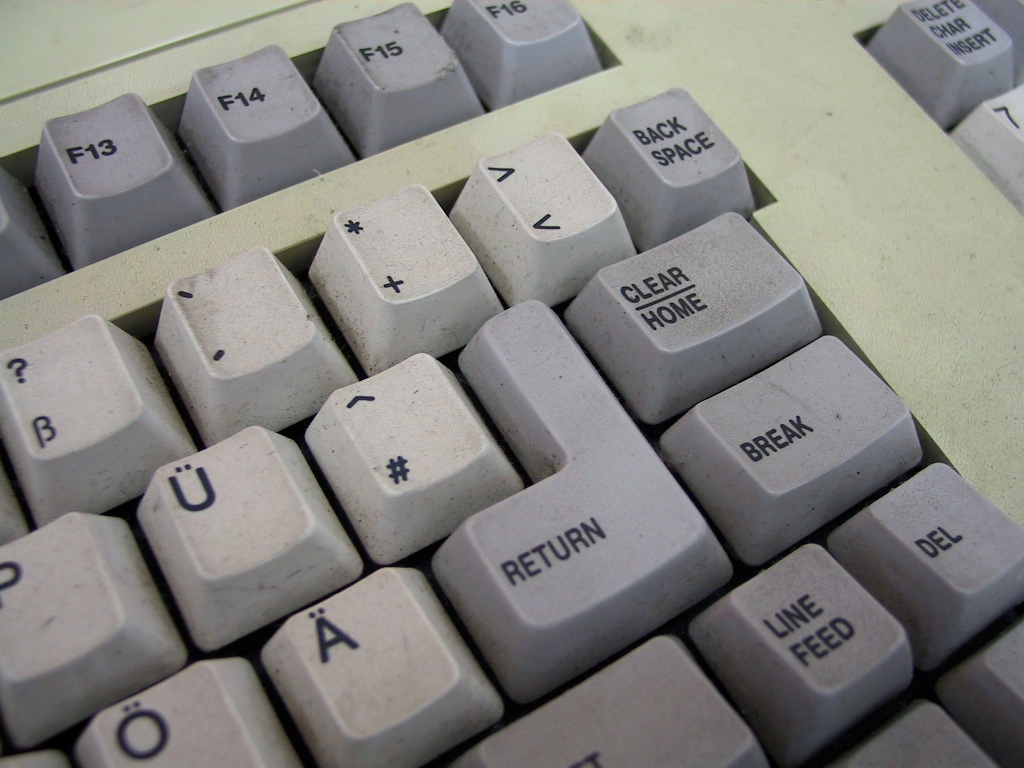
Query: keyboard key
pixel 603 548
pixel 391 78
pixel 669 166
pixel 651 708
pixel 1009 15
pixel 12 521
pixel 992 135
pixel 985 695
pixel 689 318
pixel 942 558
pixel 923 736
pixel 948 55
pixel 28 258
pixel 244 535
pixel 112 177
pixel 212 713
pixel 540 222
pixel 86 419
pixel 389 304
pixel 253 127
pixel 81 625
pixel 48 758
pixel 804 651
pixel 408 457
pixel 245 347
pixel 518 49
pixel 377 676
pixel 778 455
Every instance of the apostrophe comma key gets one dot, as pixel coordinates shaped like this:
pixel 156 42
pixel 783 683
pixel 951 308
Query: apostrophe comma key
pixel 391 78
pixel 603 548
pixel 399 279
pixel 244 535
pixel 408 457
pixel 112 177
pixel 245 346
pixel 86 419
pixel 514 50
pixel 669 166
pixel 81 625
pixel 540 222
pixel 804 651
pixel 209 710
pixel 377 676
pixel 253 126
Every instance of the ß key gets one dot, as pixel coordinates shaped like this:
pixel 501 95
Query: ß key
pixel 804 651
pixel 517 49
pixel 540 222
pixel 112 177
pixel 948 55
pixel 399 279
pixel 985 695
pixel 921 737
pixel 244 535
pixel 253 127
pixel 558 577
pixel 942 558
pixel 408 457
pixel 86 419
pixel 689 318
pixel 27 257
pixel 210 711
pixel 652 708
pixel 377 676
pixel 391 78
pixel 66 623
pixel 245 347
pixel 778 455
pixel 669 166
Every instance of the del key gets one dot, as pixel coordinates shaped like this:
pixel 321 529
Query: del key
pixel 604 547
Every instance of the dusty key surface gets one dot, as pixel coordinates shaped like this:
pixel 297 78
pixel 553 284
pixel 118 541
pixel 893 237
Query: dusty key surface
pixel 780 454
pixel 804 651
pixel 561 575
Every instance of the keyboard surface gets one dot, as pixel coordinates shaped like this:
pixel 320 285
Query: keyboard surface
pixel 911 254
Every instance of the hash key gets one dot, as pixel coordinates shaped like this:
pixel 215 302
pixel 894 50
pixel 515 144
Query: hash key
pixel 778 455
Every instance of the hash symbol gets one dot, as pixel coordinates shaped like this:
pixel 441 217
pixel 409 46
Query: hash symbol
pixel 398 469
pixel 354 227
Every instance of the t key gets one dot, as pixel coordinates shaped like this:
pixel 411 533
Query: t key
pixel 602 549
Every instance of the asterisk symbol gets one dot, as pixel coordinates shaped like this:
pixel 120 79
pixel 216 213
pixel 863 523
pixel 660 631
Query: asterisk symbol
pixel 353 227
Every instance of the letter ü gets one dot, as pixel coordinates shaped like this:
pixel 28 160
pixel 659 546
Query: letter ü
pixel 204 480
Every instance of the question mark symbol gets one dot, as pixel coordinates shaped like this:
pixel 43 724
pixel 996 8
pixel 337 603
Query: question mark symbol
pixel 18 365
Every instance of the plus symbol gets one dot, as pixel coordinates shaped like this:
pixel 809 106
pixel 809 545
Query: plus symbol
pixel 393 284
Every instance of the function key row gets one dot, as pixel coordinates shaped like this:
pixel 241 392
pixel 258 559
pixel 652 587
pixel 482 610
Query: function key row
pixel 113 177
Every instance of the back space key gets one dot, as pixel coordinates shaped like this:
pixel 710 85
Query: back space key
pixel 603 548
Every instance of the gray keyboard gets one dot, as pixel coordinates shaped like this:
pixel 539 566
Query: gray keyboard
pixel 512 384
